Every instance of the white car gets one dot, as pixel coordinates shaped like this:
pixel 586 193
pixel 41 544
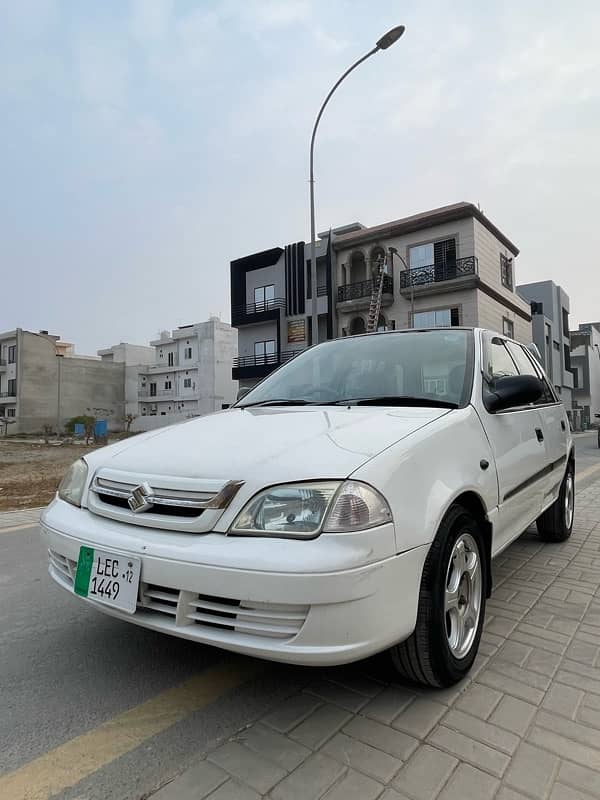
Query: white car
pixel 350 503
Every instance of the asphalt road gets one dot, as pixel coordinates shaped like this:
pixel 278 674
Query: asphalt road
pixel 131 708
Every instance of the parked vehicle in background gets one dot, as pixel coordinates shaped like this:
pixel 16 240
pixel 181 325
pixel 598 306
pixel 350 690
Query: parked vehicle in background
pixel 350 503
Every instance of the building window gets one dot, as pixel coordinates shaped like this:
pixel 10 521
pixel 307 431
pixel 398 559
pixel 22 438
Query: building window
pixel 508 327
pixel 187 353
pixel 152 390
pixel 567 356
pixel 12 387
pixel 264 352
pixel 170 359
pixel 506 271
pixel 12 353
pixel 187 383
pixel 10 412
pixel 420 256
pixel 439 318
pixel 167 384
pixel 565 321
pixel 556 345
pixel 264 297
pixel 536 307
pixel 575 378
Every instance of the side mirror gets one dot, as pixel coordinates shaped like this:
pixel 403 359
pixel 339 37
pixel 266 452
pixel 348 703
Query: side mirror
pixel 513 390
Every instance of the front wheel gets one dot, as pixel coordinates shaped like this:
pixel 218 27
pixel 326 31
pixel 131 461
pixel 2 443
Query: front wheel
pixel 451 610
pixel 556 523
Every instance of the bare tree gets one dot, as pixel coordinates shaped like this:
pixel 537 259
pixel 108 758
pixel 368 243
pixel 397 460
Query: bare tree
pixel 128 419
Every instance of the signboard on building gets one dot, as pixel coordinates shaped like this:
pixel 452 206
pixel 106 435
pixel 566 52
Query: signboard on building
pixel 296 330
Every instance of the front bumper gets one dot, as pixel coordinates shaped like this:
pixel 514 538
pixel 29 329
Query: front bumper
pixel 320 616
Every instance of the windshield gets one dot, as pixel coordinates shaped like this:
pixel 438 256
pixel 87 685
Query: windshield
pixel 412 368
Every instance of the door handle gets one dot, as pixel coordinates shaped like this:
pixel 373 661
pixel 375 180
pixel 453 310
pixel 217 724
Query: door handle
pixel 539 434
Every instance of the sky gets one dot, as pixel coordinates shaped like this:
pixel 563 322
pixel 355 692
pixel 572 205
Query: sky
pixel 146 143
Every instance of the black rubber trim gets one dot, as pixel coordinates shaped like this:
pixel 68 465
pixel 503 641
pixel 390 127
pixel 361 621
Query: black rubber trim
pixel 535 477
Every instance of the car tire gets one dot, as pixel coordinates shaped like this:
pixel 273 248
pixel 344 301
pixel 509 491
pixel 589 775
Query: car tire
pixel 556 523
pixel 451 604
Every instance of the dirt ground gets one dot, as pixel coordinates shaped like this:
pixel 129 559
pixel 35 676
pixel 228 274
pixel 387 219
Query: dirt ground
pixel 31 471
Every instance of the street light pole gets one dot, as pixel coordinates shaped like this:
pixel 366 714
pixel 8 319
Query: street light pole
pixel 394 252
pixel 386 41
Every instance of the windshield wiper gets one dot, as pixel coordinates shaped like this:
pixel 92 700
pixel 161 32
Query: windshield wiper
pixel 283 402
pixel 396 400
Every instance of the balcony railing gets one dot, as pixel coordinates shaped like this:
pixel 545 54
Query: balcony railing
pixel 354 291
pixel 158 394
pixel 243 313
pixel 2 362
pixel 8 394
pixel 270 359
pixel 437 273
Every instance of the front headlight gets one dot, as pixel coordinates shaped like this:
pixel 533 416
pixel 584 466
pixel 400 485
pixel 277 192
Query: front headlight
pixel 302 510
pixel 72 485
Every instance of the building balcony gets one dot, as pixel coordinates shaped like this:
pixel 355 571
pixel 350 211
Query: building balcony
pixel 251 313
pixel 434 278
pixel 8 396
pixel 358 295
pixel 248 367
pixel 160 394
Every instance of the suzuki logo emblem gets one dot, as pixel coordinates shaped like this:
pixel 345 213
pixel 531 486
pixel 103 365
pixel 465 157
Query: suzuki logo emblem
pixel 141 498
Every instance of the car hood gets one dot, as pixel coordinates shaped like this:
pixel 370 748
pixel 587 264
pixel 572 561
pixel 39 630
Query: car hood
pixel 275 444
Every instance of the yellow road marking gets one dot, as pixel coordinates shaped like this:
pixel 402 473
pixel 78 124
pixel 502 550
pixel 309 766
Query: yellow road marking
pixel 73 761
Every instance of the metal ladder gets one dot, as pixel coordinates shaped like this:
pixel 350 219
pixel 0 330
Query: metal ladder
pixel 375 305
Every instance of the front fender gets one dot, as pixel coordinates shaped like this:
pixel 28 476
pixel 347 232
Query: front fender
pixel 422 475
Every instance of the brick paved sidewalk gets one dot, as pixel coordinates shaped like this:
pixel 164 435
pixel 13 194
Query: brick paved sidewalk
pixel 526 724
pixel 15 519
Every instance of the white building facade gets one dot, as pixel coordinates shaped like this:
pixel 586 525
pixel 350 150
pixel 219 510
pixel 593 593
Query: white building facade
pixel 190 376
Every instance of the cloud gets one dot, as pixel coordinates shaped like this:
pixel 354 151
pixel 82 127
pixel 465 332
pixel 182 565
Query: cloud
pixel 150 19
pixel 277 14
pixel 103 73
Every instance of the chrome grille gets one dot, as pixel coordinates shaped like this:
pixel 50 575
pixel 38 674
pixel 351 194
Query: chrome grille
pixel 168 502
pixel 171 498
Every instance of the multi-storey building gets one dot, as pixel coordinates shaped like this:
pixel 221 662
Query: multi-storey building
pixel 190 376
pixel 8 374
pixel 449 266
pixel 550 308
pixel 136 358
pixel 43 382
pixel 585 365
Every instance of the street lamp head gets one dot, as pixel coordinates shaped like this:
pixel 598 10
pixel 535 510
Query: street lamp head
pixel 389 38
